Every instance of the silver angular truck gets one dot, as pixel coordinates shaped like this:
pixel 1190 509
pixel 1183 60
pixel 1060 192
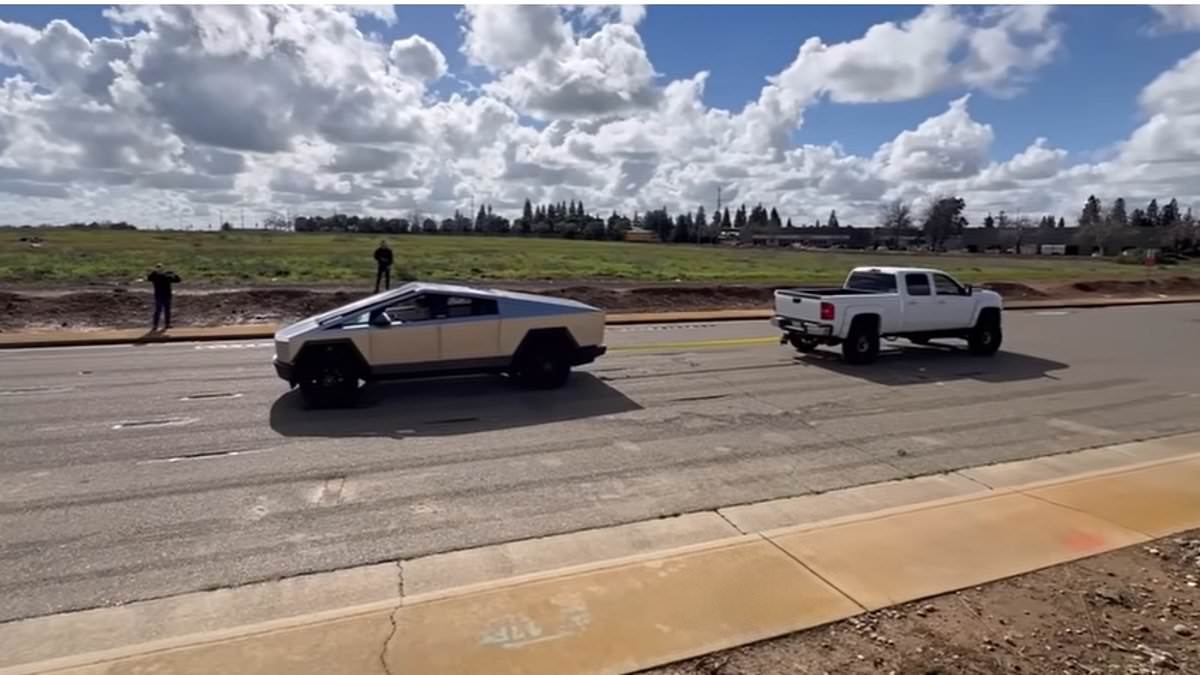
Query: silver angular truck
pixel 915 303
pixel 423 330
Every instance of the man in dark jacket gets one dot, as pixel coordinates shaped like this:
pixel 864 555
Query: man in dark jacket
pixel 162 280
pixel 383 266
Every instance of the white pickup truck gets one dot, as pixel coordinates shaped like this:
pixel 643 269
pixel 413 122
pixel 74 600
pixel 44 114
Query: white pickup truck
pixel 888 302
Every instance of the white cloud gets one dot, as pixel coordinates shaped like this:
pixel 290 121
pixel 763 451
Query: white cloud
pixel 633 14
pixel 1178 17
pixel 415 56
pixel 939 48
pixel 950 145
pixel 504 37
pixel 544 70
pixel 1036 161
pixel 603 74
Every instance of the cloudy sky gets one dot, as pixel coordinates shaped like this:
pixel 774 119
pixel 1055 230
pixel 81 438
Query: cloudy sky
pixel 173 115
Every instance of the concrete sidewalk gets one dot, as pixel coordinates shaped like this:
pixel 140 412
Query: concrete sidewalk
pixel 839 554
pixel 265 331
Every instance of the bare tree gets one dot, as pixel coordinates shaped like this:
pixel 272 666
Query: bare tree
pixel 1022 224
pixel 277 222
pixel 1099 232
pixel 897 217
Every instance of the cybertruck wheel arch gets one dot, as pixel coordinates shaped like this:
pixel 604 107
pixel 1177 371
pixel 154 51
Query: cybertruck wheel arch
pixel 336 348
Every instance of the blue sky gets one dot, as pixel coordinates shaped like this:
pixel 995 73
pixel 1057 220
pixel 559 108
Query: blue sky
pixel 557 105
pixel 1083 102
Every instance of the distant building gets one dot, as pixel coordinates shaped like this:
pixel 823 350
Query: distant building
pixel 641 235
pixel 816 237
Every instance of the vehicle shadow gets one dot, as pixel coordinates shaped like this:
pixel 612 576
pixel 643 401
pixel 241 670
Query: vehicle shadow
pixel 448 407
pixel 901 364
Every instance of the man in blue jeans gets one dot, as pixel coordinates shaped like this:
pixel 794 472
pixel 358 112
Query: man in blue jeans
pixel 162 281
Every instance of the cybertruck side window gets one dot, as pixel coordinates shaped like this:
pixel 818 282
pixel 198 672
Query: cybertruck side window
pixel 408 310
pixel 458 307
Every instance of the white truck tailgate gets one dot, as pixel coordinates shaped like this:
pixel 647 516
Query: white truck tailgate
pixel 796 306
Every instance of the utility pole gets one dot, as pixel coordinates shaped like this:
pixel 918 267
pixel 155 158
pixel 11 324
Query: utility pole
pixel 243 225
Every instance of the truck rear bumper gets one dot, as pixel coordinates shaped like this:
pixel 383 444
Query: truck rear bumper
pixel 802 327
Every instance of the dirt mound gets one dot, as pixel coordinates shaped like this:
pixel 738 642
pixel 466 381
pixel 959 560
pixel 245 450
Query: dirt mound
pixel 1166 286
pixel 1014 291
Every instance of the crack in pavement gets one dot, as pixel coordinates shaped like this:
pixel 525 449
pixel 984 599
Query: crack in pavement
pixel 392 618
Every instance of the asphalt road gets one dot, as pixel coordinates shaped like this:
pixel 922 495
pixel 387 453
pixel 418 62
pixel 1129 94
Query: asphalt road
pixel 136 472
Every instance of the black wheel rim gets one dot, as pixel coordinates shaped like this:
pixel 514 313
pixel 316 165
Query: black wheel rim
pixel 331 378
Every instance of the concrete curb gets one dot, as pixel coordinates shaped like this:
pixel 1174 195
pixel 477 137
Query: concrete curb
pixel 923 540
pixel 267 331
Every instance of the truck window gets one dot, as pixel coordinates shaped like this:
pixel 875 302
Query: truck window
pixel 918 284
pixel 458 307
pixel 872 282
pixel 947 286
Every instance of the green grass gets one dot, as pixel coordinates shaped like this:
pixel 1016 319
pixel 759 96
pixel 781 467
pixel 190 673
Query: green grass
pixel 76 256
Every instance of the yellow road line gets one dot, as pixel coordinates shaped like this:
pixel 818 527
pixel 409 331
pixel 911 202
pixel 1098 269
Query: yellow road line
pixel 697 344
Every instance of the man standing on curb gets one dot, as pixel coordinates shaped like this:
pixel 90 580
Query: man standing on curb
pixel 383 266
pixel 162 281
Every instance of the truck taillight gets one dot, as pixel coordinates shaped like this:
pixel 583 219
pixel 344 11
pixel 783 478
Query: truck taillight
pixel 827 311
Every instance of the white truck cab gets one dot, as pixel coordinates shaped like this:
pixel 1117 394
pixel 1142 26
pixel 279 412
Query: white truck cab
pixel 916 303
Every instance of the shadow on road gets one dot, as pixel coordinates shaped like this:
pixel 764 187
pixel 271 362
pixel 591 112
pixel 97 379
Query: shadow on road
pixel 448 407
pixel 901 364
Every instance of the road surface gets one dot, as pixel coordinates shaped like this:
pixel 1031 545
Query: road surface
pixel 136 472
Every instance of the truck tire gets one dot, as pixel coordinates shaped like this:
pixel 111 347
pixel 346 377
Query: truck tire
pixel 804 345
pixel 546 368
pixel 862 342
pixel 986 336
pixel 328 379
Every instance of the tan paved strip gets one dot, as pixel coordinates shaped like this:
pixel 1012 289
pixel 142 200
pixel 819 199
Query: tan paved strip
pixel 607 621
pixel 905 556
pixel 349 644
pixel 621 619
pixel 1155 500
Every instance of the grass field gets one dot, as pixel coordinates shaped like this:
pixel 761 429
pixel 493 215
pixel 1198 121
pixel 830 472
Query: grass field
pixel 79 256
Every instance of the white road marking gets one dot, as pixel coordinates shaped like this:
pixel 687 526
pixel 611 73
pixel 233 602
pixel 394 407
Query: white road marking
pixel 29 391
pixel 196 458
pixel 929 441
pixel 236 345
pixel 205 397
pixel 1052 313
pixel 1079 427
pixel 168 422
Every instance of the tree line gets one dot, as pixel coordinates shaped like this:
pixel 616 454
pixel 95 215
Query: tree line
pixel 942 219
pixel 570 220
pixel 1102 226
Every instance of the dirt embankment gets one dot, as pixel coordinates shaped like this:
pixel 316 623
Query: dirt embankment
pixel 1130 612
pixel 119 307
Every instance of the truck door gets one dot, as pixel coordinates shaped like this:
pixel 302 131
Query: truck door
pixel 404 335
pixel 470 330
pixel 920 307
pixel 954 306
